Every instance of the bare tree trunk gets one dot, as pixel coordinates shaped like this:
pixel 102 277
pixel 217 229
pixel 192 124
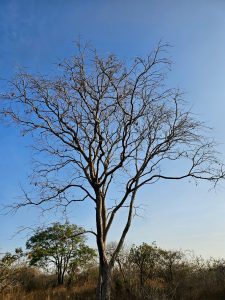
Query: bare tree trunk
pixel 104 284
pixel 104 279
pixel 60 278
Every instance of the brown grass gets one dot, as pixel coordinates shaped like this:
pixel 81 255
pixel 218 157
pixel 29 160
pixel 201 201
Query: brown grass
pixel 86 291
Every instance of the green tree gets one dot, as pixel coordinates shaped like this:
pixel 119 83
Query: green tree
pixel 58 246
pixel 144 258
pixel 169 260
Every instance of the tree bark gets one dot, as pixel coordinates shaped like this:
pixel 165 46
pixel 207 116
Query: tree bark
pixel 104 284
pixel 105 268
pixel 60 277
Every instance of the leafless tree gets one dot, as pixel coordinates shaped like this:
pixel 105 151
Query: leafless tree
pixel 103 126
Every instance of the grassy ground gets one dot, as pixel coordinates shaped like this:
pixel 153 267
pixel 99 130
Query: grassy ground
pixel 59 293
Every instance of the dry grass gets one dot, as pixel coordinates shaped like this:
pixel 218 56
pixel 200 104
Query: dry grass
pixel 86 291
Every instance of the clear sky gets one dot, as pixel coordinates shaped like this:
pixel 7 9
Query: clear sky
pixel 36 33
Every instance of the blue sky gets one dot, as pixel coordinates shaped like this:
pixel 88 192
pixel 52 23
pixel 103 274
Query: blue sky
pixel 36 34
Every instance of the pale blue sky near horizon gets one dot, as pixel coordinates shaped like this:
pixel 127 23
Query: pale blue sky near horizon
pixel 36 34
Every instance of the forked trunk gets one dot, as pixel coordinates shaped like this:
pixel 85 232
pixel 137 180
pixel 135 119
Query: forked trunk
pixel 104 283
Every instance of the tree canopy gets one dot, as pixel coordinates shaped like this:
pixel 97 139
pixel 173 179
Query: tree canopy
pixel 60 246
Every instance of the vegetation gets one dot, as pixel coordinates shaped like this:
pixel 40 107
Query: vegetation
pixel 61 246
pixel 141 272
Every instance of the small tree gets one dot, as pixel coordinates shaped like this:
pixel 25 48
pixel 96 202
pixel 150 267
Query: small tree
pixel 9 267
pixel 84 261
pixel 169 260
pixel 144 258
pixel 107 126
pixel 171 265
pixel 60 246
